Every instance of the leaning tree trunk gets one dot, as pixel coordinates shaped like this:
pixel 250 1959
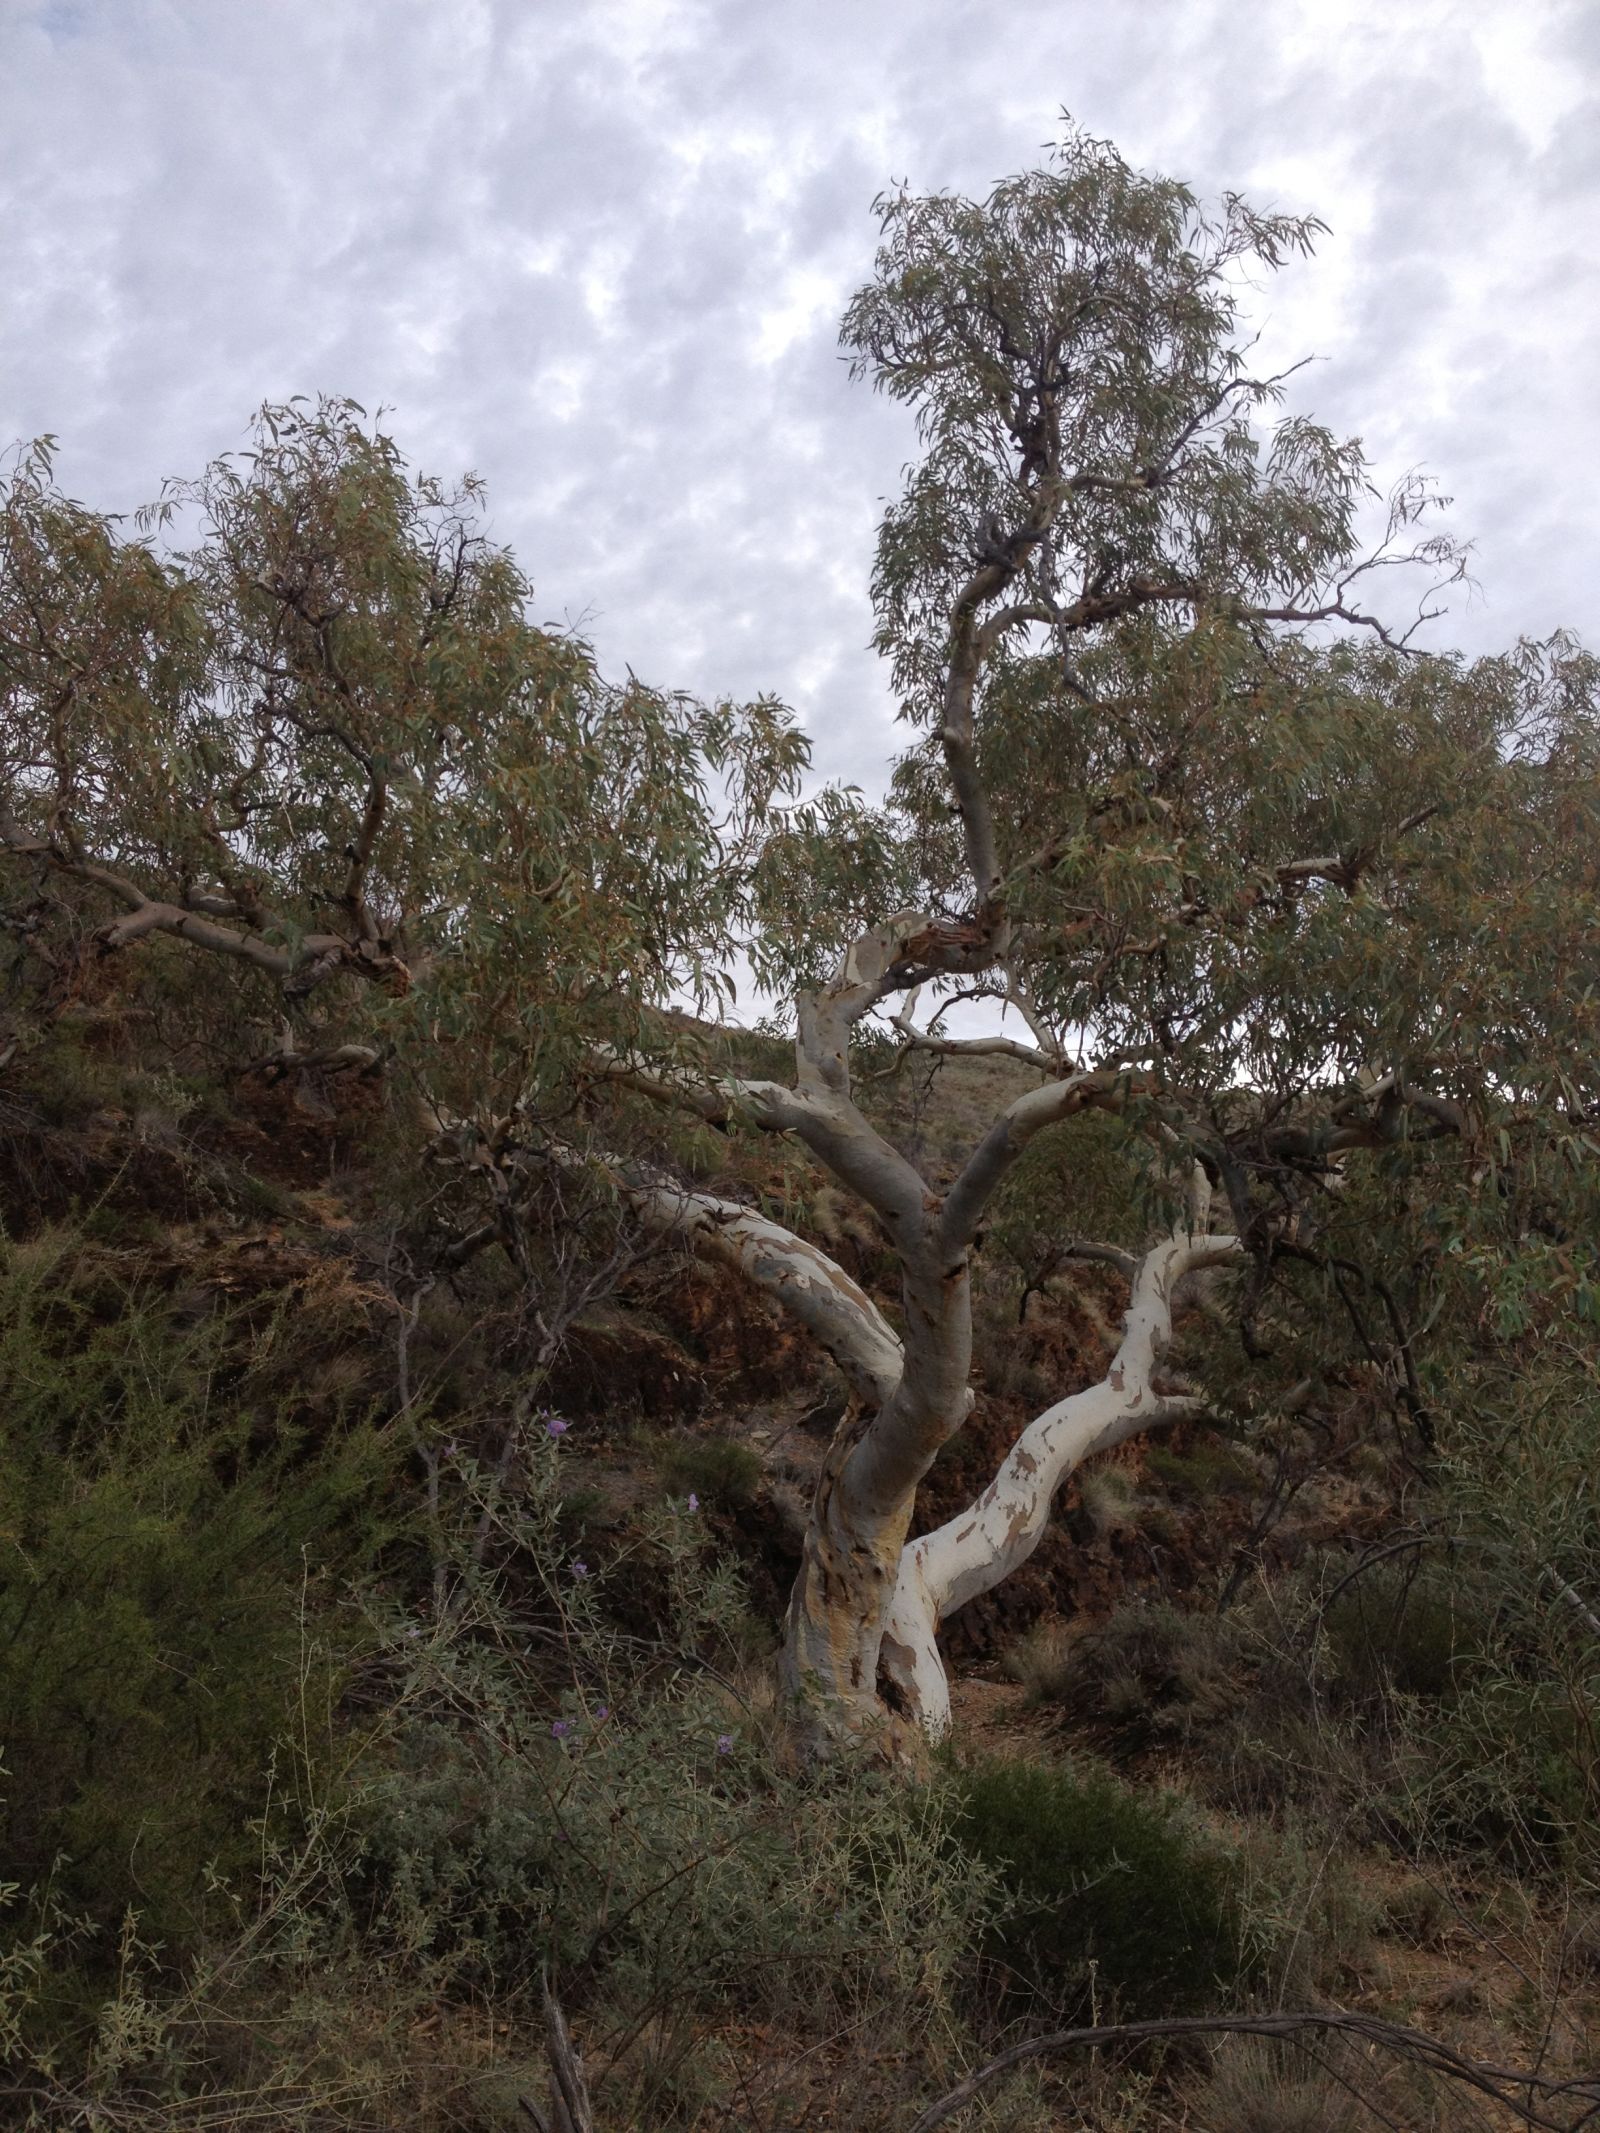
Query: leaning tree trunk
pixel 980 1546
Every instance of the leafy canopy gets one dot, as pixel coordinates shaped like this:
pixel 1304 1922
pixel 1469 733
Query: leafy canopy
pixel 327 742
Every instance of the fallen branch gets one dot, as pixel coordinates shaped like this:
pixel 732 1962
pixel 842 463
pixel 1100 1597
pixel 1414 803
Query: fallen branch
pixel 1527 2096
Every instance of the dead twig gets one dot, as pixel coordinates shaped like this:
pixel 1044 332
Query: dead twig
pixel 1530 2097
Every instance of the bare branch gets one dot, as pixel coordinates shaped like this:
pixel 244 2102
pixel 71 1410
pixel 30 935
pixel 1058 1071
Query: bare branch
pixel 1529 2096
pixel 818 1292
pixel 921 1040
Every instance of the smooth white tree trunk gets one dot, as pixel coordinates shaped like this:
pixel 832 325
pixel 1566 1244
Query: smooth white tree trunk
pixel 978 1548
pixel 867 1606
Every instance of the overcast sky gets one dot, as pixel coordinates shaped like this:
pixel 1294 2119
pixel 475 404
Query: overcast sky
pixel 597 252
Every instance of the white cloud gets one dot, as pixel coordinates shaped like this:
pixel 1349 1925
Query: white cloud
pixel 597 253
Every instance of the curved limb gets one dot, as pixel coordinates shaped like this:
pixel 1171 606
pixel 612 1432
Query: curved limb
pixel 980 1546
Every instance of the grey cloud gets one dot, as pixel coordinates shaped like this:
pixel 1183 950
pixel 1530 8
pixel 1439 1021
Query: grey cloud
pixel 416 200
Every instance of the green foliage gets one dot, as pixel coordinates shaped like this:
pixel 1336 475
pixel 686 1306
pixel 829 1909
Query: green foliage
pixel 1113 1896
pixel 719 1469
pixel 328 745
pixel 1086 1178
pixel 519 1784
pixel 1084 317
pixel 1411 1629
pixel 1209 1469
pixel 177 1543
pixel 630 1814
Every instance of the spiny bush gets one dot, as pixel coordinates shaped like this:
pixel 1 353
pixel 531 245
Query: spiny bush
pixel 523 1787
pixel 1113 1897
pixel 551 1791
pixel 171 1611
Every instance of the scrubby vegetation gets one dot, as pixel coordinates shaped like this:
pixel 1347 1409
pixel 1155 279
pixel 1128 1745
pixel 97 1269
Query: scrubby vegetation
pixel 354 1689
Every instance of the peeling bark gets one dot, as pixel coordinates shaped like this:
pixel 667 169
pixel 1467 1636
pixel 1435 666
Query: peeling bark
pixel 983 1544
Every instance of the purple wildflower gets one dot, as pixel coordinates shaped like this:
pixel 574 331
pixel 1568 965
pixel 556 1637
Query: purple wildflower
pixel 601 1715
pixel 724 1744
pixel 694 1501
pixel 560 1729
pixel 557 1426
pixel 580 1570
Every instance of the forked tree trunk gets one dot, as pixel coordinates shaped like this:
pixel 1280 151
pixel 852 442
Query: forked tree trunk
pixel 861 1645
pixel 866 1608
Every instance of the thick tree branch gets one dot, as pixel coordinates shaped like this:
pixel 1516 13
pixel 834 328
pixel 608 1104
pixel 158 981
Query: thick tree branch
pixel 828 1124
pixel 982 1545
pixel 836 1310
pixel 720 1100
pixel 198 919
pixel 1105 1088
pixel 920 1040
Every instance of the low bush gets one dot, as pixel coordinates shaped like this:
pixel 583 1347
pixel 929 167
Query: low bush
pixel 720 1470
pixel 1210 1469
pixel 1042 1663
pixel 523 1787
pixel 1113 1898
pixel 172 1614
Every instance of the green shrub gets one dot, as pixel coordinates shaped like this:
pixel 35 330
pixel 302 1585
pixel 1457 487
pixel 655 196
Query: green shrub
pixel 719 1469
pixel 1402 1627
pixel 1111 1894
pixel 1309 1913
pixel 520 1783
pixel 551 1790
pixel 170 1614
pixel 1200 1475
pixel 1107 1497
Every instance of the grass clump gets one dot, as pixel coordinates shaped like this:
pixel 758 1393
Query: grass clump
pixel 1042 1663
pixel 1149 1673
pixel 719 1470
pixel 1260 2087
pixel 1113 1898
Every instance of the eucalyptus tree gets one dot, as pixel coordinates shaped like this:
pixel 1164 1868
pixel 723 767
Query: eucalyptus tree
pixel 1250 874
pixel 1256 880
pixel 325 745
